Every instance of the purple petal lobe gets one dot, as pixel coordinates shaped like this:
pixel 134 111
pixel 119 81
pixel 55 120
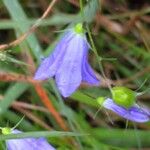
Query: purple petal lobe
pixel 88 74
pixel 28 143
pixel 134 113
pixel 68 76
pixel 50 64
pixel 41 73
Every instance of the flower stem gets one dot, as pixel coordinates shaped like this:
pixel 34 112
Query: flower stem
pixel 99 58
pixel 81 9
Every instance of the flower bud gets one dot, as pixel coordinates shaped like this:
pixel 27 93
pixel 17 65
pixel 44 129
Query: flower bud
pixel 123 96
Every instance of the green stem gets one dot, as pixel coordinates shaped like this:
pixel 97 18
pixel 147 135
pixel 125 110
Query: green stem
pixel 81 10
pixel 99 58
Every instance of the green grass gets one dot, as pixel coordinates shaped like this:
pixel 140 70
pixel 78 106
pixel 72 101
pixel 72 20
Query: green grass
pixel 85 132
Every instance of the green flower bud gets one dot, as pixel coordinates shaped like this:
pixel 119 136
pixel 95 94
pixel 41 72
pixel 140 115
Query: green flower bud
pixel 79 28
pixel 123 96
pixel 6 130
pixel 100 100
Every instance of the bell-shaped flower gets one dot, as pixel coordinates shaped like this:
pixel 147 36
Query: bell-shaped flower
pixel 134 113
pixel 68 63
pixel 26 143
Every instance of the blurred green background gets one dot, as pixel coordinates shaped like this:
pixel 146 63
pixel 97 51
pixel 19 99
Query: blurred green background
pixel 120 29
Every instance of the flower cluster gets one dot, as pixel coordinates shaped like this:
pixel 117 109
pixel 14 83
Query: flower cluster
pixel 26 143
pixel 68 63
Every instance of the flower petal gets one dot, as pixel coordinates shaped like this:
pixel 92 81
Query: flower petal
pixel 68 76
pixel 135 113
pixel 41 73
pixel 50 64
pixel 28 143
pixel 88 74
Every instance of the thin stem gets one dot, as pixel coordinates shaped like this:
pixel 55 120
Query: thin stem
pixel 109 118
pixel 144 82
pixel 127 123
pixel 99 58
pixel 143 92
pixel 18 123
pixel 81 10
pixel 94 117
pixel 137 137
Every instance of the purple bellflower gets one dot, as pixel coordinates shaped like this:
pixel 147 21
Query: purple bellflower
pixel 68 63
pixel 134 113
pixel 26 143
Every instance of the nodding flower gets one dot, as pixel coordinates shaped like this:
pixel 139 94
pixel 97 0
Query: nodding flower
pixel 123 103
pixel 25 143
pixel 68 63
